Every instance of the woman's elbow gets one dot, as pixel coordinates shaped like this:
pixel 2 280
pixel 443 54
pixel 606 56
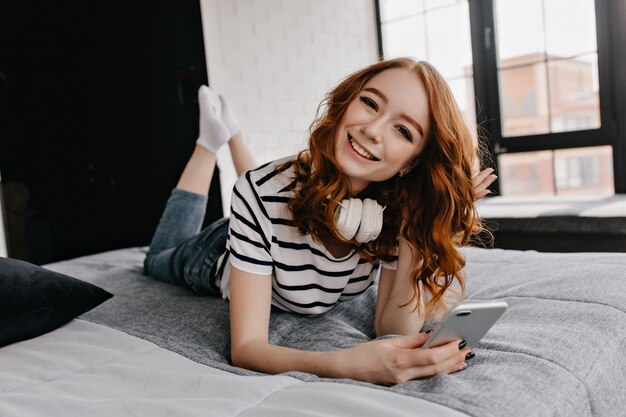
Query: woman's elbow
pixel 238 356
pixel 244 355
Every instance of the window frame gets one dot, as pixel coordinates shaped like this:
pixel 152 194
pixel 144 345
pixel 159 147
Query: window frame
pixel 611 39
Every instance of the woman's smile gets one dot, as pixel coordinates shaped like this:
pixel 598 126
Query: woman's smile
pixel 360 150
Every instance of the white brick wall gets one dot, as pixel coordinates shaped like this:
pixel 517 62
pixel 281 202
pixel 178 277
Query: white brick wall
pixel 274 60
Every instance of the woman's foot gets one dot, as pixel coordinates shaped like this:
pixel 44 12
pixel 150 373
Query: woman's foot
pixel 213 131
pixel 229 119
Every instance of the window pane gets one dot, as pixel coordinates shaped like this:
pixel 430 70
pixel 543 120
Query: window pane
pixel 448 30
pixel 526 174
pixel 405 37
pixel 587 171
pixel 579 171
pixel 548 66
pixel 570 27
pixel 394 9
pixel 574 99
pixel 519 28
pixel 524 100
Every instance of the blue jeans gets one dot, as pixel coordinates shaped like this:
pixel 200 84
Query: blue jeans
pixel 180 253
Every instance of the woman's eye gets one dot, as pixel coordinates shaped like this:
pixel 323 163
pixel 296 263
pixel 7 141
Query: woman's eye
pixel 405 132
pixel 369 102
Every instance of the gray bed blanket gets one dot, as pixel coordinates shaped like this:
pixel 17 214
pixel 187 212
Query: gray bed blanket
pixel 559 350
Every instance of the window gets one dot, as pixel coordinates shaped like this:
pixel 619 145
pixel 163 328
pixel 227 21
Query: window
pixel 542 73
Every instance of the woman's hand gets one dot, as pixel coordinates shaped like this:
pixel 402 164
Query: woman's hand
pixel 481 180
pixel 398 360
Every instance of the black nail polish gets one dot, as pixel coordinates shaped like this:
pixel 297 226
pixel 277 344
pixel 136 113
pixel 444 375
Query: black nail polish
pixel 470 355
pixel 462 344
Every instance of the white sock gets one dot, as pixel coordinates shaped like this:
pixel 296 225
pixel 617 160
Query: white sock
pixel 213 132
pixel 229 119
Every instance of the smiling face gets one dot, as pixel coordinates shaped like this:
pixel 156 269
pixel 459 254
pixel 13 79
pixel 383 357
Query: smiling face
pixel 383 129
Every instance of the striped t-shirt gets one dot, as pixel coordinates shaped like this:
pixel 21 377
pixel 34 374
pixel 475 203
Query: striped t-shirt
pixel 306 277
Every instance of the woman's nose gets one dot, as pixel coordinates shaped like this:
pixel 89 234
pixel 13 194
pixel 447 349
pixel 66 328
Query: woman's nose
pixel 373 130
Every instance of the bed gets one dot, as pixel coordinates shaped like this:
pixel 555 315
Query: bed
pixel 155 350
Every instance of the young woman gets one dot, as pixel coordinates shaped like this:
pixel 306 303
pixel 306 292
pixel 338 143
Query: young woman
pixel 385 189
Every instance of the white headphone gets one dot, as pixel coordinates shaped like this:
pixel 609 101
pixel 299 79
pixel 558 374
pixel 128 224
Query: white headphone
pixel 363 218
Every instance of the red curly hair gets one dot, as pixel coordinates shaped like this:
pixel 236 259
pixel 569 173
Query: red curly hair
pixel 432 207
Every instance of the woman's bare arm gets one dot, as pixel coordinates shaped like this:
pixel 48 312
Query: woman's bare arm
pixel 250 303
pixel 396 312
pixel 388 361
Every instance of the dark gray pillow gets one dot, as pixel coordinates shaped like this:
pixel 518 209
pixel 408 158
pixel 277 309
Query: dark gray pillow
pixel 34 300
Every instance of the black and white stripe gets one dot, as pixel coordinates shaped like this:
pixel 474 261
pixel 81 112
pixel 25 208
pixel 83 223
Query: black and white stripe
pixel 306 278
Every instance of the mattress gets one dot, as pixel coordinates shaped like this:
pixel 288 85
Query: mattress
pixel 87 369
pixel 559 350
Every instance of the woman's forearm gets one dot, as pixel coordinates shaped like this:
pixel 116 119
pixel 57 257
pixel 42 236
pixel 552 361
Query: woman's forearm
pixel 260 356
pixel 386 361
pixel 400 320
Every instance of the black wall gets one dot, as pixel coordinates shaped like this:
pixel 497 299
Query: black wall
pixel 98 115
